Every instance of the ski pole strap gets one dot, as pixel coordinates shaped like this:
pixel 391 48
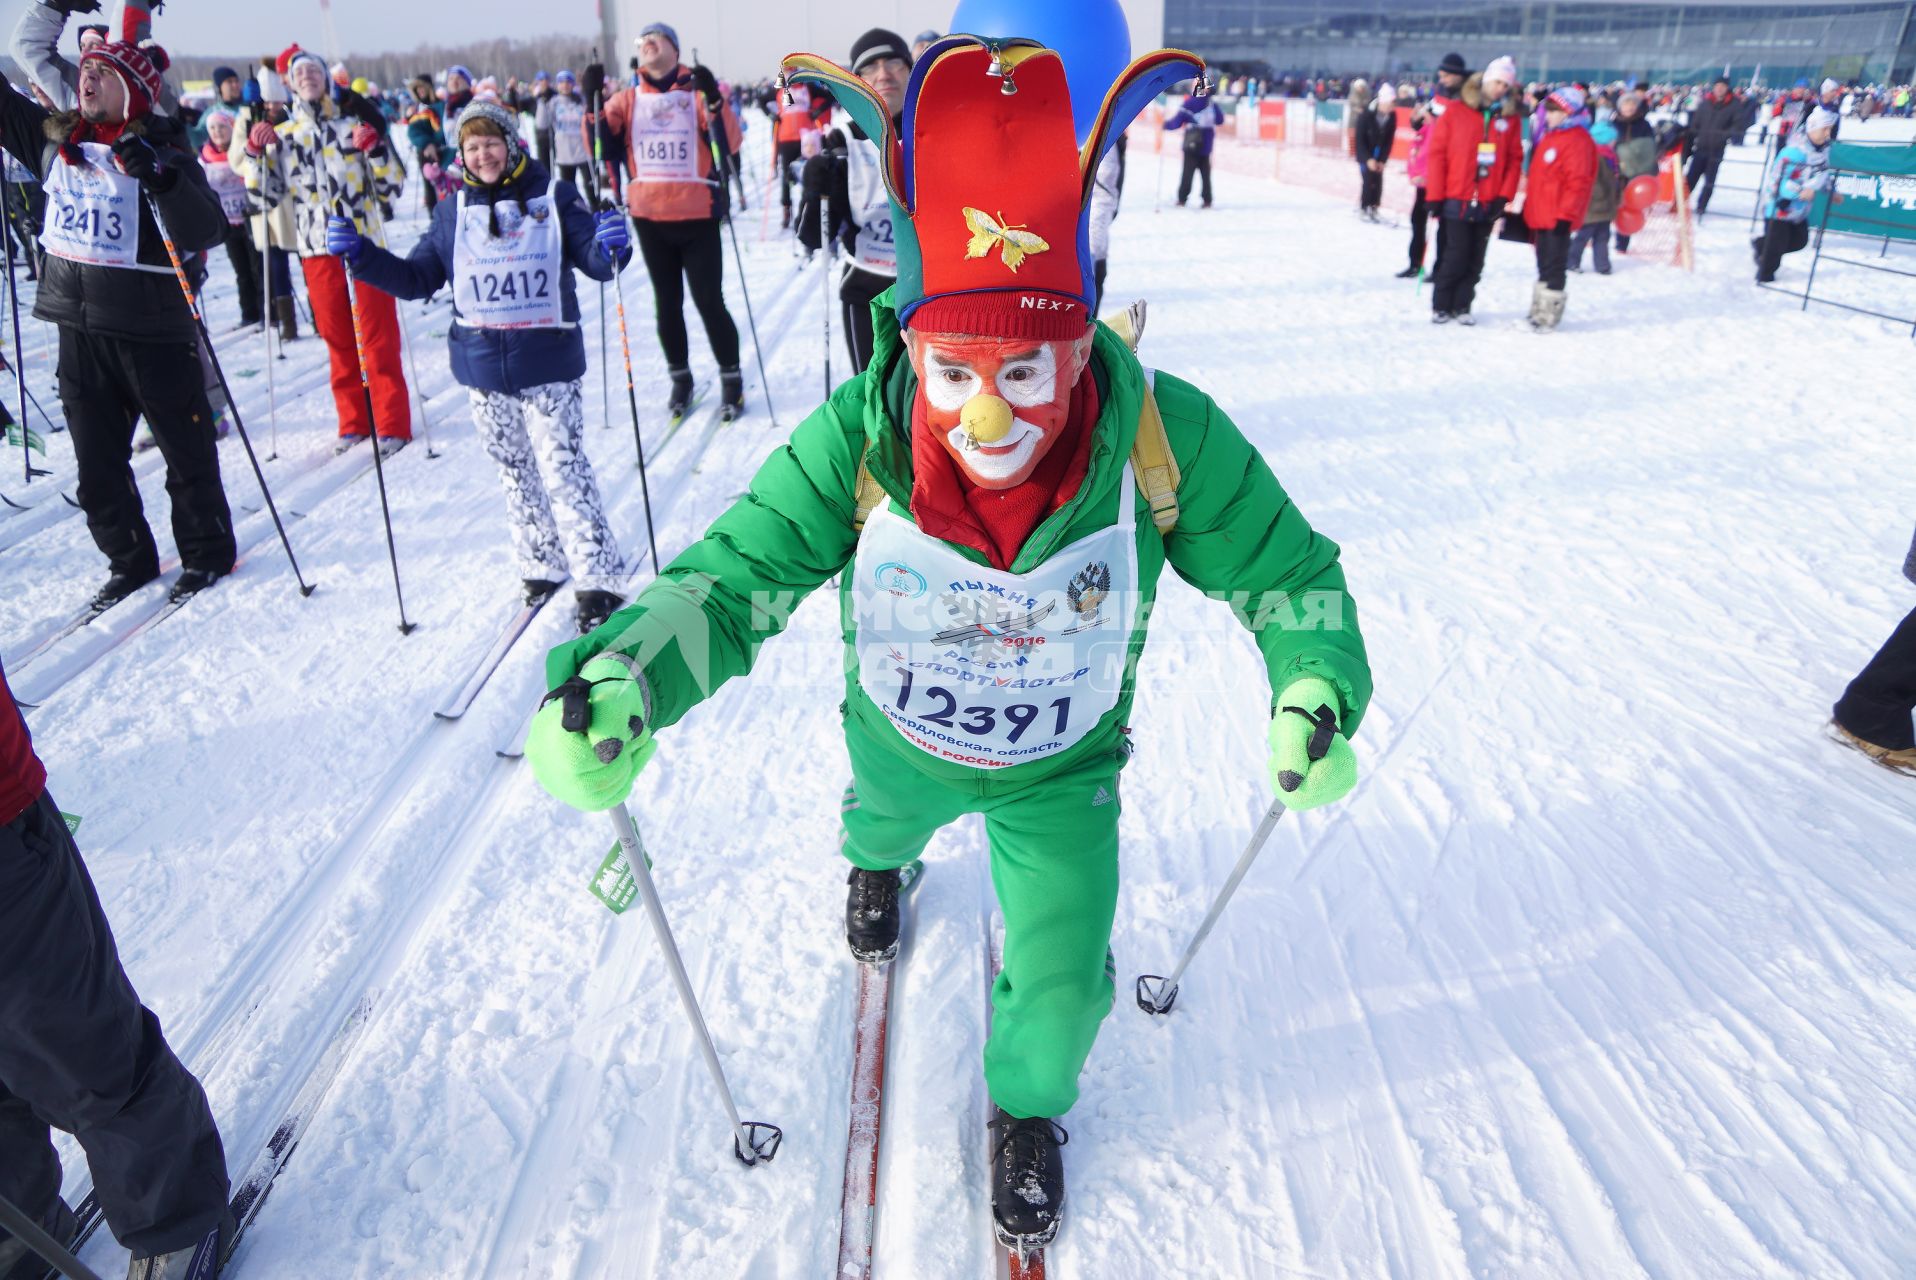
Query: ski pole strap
pixel 1326 721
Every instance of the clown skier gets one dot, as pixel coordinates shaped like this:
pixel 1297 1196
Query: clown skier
pixel 997 493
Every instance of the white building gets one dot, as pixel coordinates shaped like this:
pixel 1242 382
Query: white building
pixel 744 39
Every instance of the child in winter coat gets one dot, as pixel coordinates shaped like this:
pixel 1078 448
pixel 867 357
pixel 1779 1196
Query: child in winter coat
pixel 1562 171
pixel 1595 231
pixel 1800 170
pixel 509 243
pixel 1417 166
pixel 230 187
pixel 1636 147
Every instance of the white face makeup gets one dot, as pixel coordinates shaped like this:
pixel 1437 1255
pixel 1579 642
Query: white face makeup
pixel 1025 380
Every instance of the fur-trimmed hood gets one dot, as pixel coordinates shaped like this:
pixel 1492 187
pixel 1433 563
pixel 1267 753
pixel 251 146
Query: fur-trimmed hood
pixel 158 129
pixel 1472 95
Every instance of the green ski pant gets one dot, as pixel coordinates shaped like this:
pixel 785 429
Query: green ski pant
pixel 1054 864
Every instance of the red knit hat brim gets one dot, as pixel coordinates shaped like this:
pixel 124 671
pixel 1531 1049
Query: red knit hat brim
pixel 1036 314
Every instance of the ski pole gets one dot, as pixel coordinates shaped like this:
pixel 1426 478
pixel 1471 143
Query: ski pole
pixel 19 357
pixel 1159 998
pixel 266 327
pixel 372 420
pixel 631 395
pixel 745 291
pixel 752 1140
pixel 377 221
pixel 213 356
pixel 49 1249
pixel 605 360
pixel 831 261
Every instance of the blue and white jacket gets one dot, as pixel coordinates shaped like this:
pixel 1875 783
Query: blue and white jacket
pixel 509 360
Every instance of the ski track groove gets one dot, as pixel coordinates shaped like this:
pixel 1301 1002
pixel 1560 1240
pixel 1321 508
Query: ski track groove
pixel 214 1030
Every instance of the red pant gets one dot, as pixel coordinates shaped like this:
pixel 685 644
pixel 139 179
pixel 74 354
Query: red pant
pixel 333 315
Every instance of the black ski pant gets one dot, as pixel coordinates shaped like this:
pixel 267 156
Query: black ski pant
pixel 79 1052
pixel 1370 188
pixel 789 154
pixel 1197 165
pixel 1553 256
pixel 1702 176
pixel 1461 244
pixel 107 383
pixel 678 254
pixel 581 176
pixel 241 252
pixel 1419 224
pixel 1780 237
pixel 856 295
pixel 1876 707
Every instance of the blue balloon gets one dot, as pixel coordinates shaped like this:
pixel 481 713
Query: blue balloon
pixel 1091 36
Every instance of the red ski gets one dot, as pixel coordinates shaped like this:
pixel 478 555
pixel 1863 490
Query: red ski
pixel 858 1206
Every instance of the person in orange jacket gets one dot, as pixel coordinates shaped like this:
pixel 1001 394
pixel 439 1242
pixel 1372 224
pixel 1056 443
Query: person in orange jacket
pixel 677 197
pixel 805 113
pixel 1475 164
pixel 1563 169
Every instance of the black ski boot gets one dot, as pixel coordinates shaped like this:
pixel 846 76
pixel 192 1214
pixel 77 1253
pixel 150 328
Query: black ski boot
pixel 190 583
pixel 731 394
pixel 1027 1181
pixel 202 1260
pixel 594 607
pixel 1410 273
pixel 537 591
pixel 118 587
pixel 681 398
pixel 871 915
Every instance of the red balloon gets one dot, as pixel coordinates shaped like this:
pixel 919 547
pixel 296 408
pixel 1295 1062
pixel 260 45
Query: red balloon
pixel 1629 220
pixel 1641 193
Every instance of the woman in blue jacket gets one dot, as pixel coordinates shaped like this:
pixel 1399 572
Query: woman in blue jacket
pixel 509 244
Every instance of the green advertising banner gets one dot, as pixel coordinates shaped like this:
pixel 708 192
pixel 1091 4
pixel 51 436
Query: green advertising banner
pixel 1878 184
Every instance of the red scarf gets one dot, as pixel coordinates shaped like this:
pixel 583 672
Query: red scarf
pixel 213 155
pixel 86 131
pixel 948 504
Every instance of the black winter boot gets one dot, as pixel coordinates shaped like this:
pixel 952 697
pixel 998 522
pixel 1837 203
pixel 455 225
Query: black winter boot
pixel 118 587
pixel 537 591
pixel 287 313
pixel 190 583
pixel 594 607
pixel 681 397
pixel 871 915
pixel 1027 1180
pixel 731 394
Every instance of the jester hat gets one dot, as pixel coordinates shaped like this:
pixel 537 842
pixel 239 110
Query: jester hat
pixel 990 191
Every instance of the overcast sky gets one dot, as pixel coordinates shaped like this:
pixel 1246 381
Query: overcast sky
pixel 369 26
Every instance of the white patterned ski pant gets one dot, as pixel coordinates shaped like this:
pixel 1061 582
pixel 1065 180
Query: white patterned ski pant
pixel 559 525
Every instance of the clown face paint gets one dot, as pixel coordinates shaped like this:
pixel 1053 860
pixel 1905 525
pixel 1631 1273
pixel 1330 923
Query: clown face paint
pixel 997 404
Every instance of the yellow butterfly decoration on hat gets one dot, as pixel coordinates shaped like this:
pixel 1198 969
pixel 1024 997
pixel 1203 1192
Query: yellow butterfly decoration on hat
pixel 1016 243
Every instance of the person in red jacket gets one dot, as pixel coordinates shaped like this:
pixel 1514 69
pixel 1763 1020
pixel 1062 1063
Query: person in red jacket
pixel 1475 163
pixel 666 123
pixel 805 113
pixel 1563 168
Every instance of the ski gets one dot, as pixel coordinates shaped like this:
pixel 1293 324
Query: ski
pixel 489 662
pixel 80 618
pixel 871 1030
pixel 1011 1264
pixel 271 1161
pixel 155 612
pixel 514 747
pixel 284 1140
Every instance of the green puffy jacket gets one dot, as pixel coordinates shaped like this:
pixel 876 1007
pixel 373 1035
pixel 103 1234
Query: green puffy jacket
pixel 1238 538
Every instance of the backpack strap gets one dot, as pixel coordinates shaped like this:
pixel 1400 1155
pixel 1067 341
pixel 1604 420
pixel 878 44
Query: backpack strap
pixel 866 496
pixel 1152 462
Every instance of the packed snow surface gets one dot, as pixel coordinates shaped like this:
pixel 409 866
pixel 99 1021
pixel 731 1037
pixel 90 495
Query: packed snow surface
pixel 1604 970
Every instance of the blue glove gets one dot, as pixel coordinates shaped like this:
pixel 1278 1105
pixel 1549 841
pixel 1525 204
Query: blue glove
pixel 611 233
pixel 343 238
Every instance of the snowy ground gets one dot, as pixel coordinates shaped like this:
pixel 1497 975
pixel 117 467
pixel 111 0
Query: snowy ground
pixel 1605 970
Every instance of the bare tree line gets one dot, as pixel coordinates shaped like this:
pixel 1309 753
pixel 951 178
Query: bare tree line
pixel 502 57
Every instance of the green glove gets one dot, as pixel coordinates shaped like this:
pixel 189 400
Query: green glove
pixel 594 770
pixel 1311 760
